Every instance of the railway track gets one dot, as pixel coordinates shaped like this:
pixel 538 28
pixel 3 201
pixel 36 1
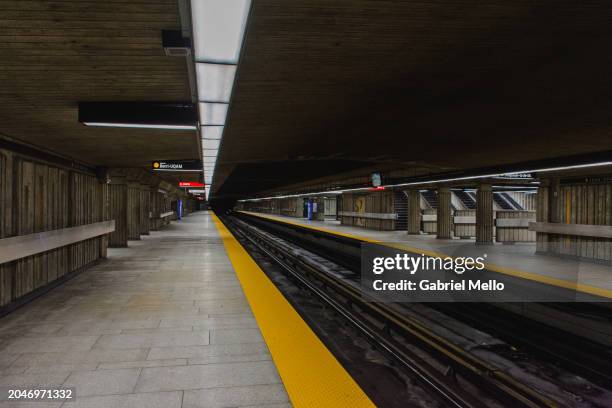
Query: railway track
pixel 577 354
pixel 393 332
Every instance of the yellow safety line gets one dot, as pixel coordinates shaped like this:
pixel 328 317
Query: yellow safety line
pixel 562 283
pixel 311 374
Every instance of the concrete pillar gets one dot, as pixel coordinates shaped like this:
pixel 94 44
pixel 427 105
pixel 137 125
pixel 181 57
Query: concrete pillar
pixel 484 214
pixel 543 213
pixel 414 212
pixel 445 213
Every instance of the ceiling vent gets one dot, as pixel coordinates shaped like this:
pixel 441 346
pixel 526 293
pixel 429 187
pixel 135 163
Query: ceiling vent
pixel 175 45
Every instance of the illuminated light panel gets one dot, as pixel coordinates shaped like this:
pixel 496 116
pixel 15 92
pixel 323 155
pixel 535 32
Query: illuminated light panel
pixel 140 125
pixel 212 114
pixel 218 29
pixel 215 81
pixel 212 132
pixel 211 143
pixel 210 160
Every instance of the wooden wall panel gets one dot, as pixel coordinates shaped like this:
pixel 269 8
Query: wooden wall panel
pixel 465 230
pixel 515 234
pixel 117 207
pixel 371 203
pixel 37 197
pixel 133 212
pixel 588 203
pixel 6 224
pixel 144 210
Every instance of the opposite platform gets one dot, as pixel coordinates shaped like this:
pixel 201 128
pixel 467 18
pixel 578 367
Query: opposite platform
pixel 519 261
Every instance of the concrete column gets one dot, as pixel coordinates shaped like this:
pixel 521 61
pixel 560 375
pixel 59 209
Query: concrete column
pixel 484 214
pixel 445 213
pixel 414 212
pixel 543 213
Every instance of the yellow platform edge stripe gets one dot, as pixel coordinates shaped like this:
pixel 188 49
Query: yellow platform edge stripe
pixel 578 287
pixel 310 373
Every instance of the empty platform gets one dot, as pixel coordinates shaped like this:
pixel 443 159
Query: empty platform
pixel 518 260
pixel 163 323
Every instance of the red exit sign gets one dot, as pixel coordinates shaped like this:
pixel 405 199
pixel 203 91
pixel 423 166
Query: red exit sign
pixel 190 184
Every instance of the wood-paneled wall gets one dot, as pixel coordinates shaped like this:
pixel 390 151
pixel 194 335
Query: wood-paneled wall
pixel 38 196
pixel 464 230
pixel 430 226
pixel 515 234
pixel 380 202
pixel 144 211
pixel 588 203
pixel 160 203
pixel 117 198
pixel 133 212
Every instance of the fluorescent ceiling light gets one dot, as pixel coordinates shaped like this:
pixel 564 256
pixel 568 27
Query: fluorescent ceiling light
pixel 140 125
pixel 215 81
pixel 212 132
pixel 218 28
pixel 211 143
pixel 546 169
pixel 210 160
pixel 210 152
pixel 212 114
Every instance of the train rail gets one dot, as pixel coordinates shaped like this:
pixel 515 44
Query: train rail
pixel 390 330
pixel 572 352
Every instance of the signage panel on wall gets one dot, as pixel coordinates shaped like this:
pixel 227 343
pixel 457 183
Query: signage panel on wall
pixel 177 165
pixel 190 184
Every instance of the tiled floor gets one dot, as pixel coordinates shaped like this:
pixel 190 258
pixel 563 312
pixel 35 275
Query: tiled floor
pixel 163 323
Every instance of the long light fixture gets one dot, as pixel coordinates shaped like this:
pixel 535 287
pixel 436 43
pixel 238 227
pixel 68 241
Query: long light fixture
pixel 140 115
pixel 141 125
pixel 218 32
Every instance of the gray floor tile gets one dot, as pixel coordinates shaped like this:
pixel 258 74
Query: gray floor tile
pixel 89 356
pixel 207 376
pixel 141 364
pixel 24 380
pixel 159 353
pixel 233 336
pixel 50 344
pixel 164 339
pixel 235 396
pixel 103 382
pixel 148 400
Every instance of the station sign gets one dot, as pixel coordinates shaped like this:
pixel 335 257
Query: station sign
pixel 376 179
pixel 177 165
pixel 196 191
pixel 190 184
pixel 515 176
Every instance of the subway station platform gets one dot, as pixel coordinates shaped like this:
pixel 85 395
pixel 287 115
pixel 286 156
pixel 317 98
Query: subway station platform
pixel 174 320
pixel 519 260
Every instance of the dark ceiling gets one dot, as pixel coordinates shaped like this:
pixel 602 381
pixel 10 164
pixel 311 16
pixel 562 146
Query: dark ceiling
pixel 54 54
pixel 330 86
